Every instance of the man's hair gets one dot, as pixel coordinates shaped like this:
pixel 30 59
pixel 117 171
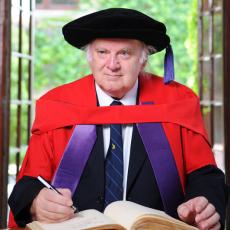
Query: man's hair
pixel 146 51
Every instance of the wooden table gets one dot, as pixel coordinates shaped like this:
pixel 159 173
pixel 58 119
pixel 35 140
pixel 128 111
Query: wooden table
pixel 12 228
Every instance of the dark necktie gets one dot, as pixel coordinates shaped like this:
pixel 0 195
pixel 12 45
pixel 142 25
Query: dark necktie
pixel 114 164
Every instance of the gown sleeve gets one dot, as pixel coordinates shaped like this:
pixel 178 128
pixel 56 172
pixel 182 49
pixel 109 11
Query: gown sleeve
pixel 42 158
pixel 203 176
pixel 21 198
pixel 38 161
pixel 209 181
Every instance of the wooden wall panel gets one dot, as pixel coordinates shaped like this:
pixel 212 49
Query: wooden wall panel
pixel 226 24
pixel 4 105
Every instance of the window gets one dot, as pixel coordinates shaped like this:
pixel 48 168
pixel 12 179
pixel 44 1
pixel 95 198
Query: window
pixel 211 73
pixel 4 106
pixel 21 83
pixel 57 4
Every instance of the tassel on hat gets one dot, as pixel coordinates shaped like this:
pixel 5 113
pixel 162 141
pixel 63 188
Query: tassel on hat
pixel 168 65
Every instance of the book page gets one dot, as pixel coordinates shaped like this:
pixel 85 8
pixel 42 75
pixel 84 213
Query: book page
pixel 127 213
pixel 88 219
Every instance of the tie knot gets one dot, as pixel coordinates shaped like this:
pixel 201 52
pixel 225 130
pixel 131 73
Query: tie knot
pixel 116 103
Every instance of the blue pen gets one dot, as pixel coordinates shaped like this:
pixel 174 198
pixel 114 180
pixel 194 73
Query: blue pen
pixel 49 186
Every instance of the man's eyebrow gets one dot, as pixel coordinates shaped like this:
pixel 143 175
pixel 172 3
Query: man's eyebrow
pixel 127 48
pixel 100 48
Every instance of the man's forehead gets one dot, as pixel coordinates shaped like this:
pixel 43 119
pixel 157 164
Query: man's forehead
pixel 119 42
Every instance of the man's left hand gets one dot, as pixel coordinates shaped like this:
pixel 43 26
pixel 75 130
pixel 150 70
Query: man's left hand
pixel 199 213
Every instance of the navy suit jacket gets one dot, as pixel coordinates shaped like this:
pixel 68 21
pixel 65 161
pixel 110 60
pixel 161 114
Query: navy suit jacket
pixel 141 184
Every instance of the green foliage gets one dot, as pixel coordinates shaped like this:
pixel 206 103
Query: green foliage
pixel 191 45
pixel 57 62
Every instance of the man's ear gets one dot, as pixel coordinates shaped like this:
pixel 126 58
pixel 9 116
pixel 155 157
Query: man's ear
pixel 143 65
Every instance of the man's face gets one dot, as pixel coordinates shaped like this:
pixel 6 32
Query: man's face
pixel 115 64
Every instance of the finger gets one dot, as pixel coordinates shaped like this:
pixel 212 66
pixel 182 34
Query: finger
pixel 56 208
pixel 196 204
pixel 53 196
pixel 50 217
pixel 199 203
pixel 212 221
pixel 185 213
pixel 188 210
pixel 50 206
pixel 206 213
pixel 216 227
pixel 65 192
pixel 183 210
pixel 52 202
pixel 54 211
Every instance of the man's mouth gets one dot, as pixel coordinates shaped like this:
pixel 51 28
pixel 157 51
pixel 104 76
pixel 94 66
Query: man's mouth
pixel 113 75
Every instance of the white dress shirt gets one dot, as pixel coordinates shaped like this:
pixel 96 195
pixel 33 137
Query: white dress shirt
pixel 127 130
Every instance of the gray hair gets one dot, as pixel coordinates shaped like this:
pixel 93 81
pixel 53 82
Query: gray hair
pixel 147 50
pixel 86 48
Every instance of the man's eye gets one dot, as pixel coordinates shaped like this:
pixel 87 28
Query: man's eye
pixel 101 51
pixel 124 52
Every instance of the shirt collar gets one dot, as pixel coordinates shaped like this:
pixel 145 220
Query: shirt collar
pixel 129 99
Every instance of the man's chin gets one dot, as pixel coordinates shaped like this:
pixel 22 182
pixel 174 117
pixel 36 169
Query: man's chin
pixel 118 94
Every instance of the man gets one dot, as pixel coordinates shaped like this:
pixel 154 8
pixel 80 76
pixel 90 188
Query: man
pixel 150 148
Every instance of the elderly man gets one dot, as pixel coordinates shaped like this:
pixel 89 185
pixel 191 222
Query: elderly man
pixel 149 147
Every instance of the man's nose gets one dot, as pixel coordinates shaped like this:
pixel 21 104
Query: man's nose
pixel 113 63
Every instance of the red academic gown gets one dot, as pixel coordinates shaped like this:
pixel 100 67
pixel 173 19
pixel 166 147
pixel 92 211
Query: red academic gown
pixel 176 106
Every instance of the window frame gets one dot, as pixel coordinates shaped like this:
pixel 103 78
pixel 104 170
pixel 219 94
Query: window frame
pixel 5 49
pixel 226 55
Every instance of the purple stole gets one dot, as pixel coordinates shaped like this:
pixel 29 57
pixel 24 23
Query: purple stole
pixel 158 150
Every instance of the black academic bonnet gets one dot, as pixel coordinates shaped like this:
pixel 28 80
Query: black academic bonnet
pixel 121 23
pixel 116 23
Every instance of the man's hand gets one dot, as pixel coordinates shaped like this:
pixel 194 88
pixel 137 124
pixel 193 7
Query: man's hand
pixel 50 207
pixel 199 213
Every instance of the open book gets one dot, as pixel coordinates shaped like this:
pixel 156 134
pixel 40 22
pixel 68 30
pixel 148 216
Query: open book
pixel 119 215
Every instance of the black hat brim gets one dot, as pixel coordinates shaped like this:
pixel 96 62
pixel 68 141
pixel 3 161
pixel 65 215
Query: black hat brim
pixel 116 23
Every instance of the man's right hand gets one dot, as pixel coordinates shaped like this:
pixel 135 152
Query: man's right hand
pixel 51 207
